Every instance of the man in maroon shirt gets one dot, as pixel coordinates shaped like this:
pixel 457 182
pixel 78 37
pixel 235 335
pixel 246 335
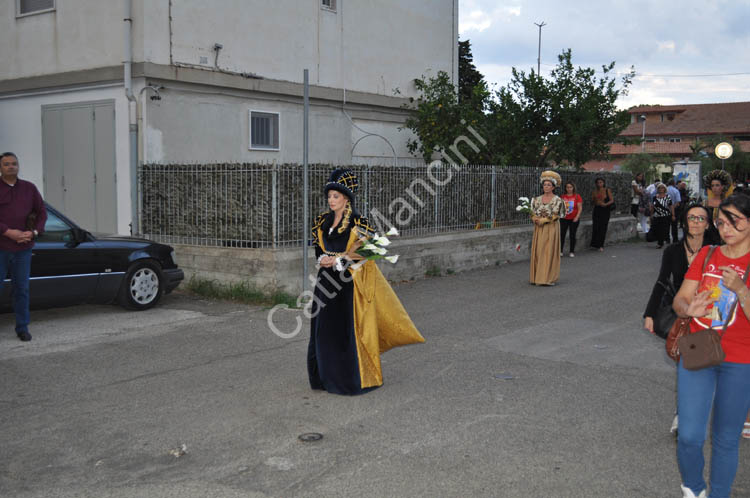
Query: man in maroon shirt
pixel 22 218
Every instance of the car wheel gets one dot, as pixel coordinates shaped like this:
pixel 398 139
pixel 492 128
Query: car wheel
pixel 143 286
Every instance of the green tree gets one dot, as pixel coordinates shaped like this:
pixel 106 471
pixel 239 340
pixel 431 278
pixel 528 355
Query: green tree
pixel 567 119
pixel 738 165
pixel 468 75
pixel 645 163
pixel 438 118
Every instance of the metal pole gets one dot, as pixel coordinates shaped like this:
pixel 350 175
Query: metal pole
pixel 539 51
pixel 306 180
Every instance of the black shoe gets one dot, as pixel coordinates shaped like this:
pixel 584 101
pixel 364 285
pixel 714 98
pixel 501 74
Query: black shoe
pixel 24 336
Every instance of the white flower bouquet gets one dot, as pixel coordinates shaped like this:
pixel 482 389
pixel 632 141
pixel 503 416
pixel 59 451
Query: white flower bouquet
pixel 524 206
pixel 374 247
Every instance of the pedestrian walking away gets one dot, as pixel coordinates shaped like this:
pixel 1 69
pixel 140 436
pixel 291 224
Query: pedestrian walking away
pixel 602 200
pixel 715 296
pixel 355 313
pixel 546 210
pixel 22 219
pixel 571 220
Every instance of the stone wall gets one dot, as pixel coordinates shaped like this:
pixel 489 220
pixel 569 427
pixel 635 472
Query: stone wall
pixel 443 253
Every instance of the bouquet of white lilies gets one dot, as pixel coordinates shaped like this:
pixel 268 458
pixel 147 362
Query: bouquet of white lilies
pixel 525 206
pixel 374 246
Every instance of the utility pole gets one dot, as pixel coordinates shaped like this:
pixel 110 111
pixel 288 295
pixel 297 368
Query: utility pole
pixel 539 53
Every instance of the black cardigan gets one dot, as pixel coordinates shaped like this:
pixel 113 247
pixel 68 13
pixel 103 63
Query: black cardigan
pixel 674 265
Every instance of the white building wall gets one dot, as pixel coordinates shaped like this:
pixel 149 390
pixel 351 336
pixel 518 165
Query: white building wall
pixel 200 125
pixel 373 47
pixel 21 132
pixel 79 34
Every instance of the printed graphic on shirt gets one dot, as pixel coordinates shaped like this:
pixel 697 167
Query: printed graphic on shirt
pixel 723 299
pixel 570 206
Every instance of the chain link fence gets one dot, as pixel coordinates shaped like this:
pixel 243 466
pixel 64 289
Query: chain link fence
pixel 261 205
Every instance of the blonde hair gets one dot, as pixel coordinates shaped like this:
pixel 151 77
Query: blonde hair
pixel 346 217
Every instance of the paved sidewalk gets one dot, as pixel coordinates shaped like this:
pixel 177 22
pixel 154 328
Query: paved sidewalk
pixel 519 391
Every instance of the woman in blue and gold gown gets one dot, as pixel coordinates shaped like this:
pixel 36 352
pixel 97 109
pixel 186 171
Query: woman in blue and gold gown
pixel 355 313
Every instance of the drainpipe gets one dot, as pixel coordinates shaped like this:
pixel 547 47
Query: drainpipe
pixel 133 126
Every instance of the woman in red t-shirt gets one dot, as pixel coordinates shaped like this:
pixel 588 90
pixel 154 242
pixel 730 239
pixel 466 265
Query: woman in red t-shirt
pixel 713 297
pixel 573 207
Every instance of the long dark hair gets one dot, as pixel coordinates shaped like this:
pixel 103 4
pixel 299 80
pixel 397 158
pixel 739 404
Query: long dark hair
pixel 711 235
pixel 565 188
pixel 740 202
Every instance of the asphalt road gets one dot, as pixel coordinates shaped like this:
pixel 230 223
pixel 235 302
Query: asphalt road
pixel 519 391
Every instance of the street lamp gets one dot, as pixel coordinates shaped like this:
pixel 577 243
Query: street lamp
pixel 642 119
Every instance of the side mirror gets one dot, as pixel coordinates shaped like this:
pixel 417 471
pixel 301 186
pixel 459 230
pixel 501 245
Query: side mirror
pixel 79 235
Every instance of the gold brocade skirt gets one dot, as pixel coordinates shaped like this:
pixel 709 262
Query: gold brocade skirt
pixel 545 254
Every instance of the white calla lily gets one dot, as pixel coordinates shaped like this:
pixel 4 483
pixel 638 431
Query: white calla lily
pixel 392 259
pixel 392 232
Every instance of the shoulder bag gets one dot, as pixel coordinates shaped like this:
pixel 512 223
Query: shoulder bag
pixel 681 326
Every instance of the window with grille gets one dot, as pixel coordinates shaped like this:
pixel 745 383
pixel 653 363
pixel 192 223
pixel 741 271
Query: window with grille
pixel 28 7
pixel 328 4
pixel 675 140
pixel 264 130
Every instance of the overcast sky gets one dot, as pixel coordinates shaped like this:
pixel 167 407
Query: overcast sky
pixel 678 48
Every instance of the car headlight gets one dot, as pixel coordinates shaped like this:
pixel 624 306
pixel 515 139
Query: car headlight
pixel 174 257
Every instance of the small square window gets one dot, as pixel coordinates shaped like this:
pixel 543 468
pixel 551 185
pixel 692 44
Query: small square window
pixel 264 130
pixel 328 4
pixel 30 7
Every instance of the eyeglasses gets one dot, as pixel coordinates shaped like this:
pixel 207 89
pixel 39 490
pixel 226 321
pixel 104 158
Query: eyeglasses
pixel 696 219
pixel 720 223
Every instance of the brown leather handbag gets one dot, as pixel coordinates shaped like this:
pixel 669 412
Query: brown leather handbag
pixel 702 349
pixel 680 327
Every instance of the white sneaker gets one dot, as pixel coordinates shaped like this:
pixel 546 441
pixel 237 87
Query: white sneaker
pixel 673 429
pixel 572 255
pixel 688 493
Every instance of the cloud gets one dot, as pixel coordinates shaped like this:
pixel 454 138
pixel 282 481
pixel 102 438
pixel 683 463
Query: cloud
pixel 666 46
pixel 478 16
pixel 503 35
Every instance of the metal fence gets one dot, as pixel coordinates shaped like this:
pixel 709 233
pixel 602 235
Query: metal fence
pixel 261 205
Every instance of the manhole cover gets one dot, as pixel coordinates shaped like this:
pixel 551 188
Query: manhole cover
pixel 310 437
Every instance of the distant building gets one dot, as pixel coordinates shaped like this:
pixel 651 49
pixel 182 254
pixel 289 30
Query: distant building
pixel 228 75
pixel 672 130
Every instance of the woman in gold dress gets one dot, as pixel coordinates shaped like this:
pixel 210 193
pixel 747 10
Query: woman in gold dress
pixel 355 313
pixel 546 211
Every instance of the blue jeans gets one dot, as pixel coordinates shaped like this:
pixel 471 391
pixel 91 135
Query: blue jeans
pixel 726 390
pixel 19 264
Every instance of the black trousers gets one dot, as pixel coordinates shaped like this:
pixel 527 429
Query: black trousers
pixel 564 225
pixel 659 229
pixel 599 222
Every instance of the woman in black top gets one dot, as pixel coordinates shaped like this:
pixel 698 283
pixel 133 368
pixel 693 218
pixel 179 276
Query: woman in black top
pixel 699 231
pixel 661 216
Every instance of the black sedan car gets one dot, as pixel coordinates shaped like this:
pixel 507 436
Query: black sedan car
pixel 72 266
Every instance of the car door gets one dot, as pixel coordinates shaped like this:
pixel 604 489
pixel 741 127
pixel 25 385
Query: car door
pixel 63 270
